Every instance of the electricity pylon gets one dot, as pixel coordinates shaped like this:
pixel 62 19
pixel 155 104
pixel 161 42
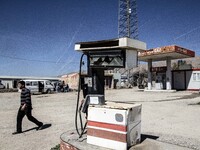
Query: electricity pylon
pixel 127 19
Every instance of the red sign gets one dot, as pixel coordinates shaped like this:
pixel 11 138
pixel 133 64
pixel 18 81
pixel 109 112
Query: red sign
pixel 167 49
pixel 158 69
pixel 184 51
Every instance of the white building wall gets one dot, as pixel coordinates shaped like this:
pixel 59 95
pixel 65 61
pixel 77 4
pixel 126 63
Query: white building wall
pixel 118 77
pixel 194 80
pixel 7 83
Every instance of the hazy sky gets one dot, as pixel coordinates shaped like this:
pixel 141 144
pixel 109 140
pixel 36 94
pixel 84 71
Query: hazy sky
pixel 37 36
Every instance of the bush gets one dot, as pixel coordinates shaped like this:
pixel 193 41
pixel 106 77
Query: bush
pixel 57 147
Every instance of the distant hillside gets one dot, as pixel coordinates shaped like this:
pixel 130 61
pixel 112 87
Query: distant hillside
pixel 194 61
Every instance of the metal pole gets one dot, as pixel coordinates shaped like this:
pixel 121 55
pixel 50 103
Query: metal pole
pixel 128 18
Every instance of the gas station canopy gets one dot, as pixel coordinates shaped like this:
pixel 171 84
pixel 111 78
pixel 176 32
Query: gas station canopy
pixel 162 53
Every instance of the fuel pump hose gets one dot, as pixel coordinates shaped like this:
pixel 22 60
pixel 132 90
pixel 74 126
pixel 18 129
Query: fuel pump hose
pixel 77 105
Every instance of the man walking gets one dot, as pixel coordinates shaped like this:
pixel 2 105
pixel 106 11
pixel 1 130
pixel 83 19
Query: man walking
pixel 25 108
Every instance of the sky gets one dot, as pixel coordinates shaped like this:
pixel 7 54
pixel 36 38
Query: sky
pixel 37 37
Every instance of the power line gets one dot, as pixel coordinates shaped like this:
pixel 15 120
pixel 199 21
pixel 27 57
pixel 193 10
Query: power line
pixel 33 60
pixel 186 33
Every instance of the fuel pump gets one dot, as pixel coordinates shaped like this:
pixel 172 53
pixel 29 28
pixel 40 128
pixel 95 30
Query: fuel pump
pixel 103 55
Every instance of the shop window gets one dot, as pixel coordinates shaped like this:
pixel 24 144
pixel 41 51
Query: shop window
pixel 196 76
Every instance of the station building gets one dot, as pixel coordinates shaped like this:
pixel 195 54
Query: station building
pixel 166 78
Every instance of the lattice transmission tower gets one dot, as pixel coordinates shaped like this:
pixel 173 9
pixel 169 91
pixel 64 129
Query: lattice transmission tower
pixel 127 19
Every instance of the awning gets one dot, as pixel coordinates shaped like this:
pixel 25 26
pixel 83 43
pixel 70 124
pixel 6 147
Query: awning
pixel 162 53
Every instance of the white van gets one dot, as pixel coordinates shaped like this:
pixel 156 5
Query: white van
pixel 39 86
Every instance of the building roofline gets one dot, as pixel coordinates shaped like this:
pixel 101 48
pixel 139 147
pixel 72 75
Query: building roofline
pixel 28 77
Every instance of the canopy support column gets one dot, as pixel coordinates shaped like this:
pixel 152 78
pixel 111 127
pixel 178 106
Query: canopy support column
pixel 168 74
pixel 149 74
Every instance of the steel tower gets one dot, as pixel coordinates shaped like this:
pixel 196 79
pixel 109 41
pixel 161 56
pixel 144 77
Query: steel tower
pixel 127 19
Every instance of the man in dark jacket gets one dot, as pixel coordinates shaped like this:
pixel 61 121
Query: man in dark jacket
pixel 25 108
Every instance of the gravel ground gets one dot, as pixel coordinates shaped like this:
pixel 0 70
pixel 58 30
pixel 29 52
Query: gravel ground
pixel 167 117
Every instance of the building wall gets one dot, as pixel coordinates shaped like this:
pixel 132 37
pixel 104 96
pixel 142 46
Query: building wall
pixel 72 80
pixel 179 80
pixel 186 79
pixel 117 79
pixel 194 80
pixel 7 83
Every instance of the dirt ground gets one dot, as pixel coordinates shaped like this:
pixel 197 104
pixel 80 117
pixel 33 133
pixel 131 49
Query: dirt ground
pixel 167 117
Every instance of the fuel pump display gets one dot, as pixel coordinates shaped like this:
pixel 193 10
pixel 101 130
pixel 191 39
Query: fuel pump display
pixel 106 59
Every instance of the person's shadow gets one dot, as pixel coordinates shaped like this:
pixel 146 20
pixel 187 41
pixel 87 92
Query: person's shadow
pixel 45 126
